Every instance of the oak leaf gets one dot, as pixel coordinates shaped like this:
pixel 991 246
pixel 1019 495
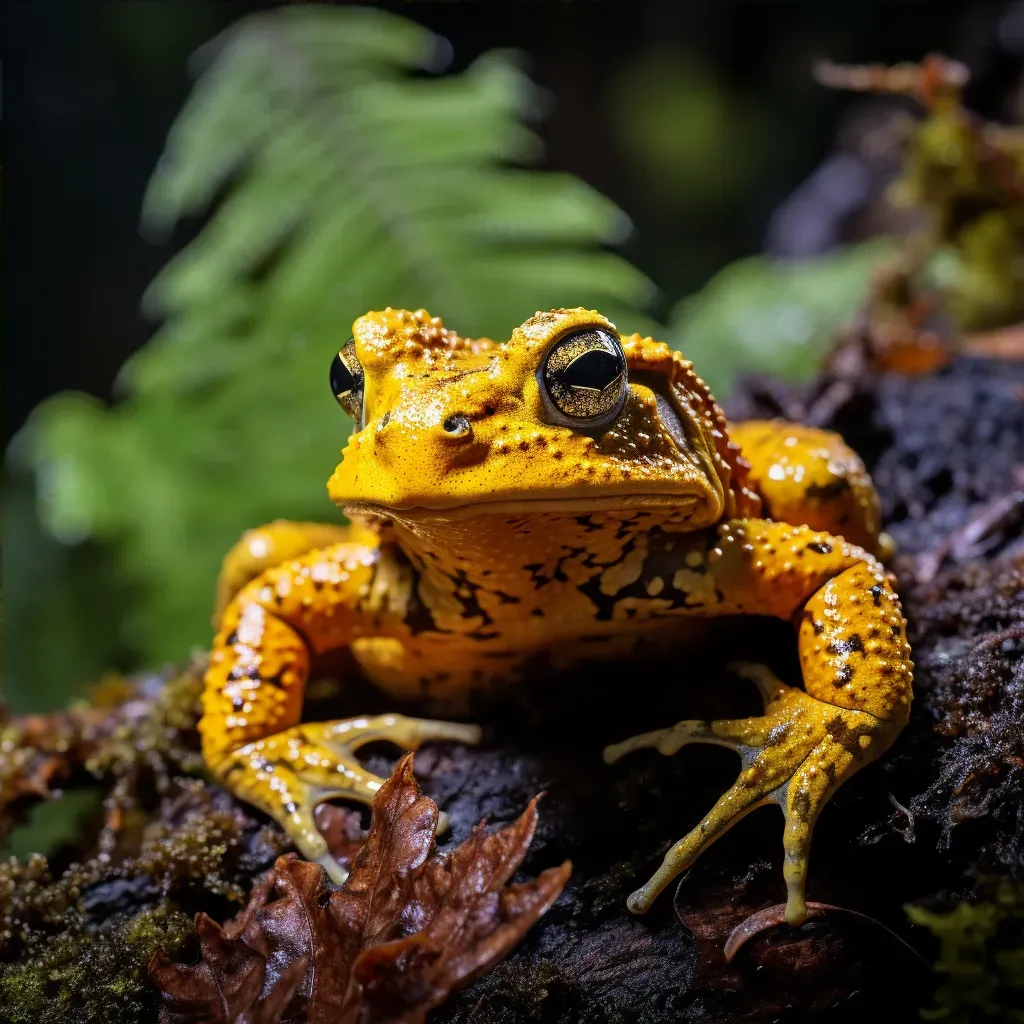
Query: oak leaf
pixel 408 927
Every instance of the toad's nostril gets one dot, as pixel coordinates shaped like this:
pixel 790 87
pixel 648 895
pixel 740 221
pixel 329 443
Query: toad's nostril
pixel 457 426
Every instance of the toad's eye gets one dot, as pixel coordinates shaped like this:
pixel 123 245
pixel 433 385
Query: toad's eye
pixel 347 381
pixel 584 379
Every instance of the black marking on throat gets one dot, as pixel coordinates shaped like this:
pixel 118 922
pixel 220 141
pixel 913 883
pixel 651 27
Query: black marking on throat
pixel 465 592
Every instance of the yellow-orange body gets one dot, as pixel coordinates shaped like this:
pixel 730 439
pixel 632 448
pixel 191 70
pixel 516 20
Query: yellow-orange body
pixel 489 528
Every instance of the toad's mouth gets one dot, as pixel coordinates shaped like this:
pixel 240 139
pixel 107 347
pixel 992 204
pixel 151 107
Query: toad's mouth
pixel 666 503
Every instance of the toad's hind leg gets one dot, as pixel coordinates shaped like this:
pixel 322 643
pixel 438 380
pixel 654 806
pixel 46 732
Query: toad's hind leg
pixel 789 758
pixel 857 678
pixel 810 477
pixel 253 741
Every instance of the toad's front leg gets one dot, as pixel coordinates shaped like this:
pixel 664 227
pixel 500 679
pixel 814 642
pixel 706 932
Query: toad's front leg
pixel 252 701
pixel 857 687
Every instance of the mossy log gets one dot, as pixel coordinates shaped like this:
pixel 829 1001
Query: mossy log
pixel 935 821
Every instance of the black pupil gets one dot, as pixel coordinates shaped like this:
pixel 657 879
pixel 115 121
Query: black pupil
pixel 342 380
pixel 593 370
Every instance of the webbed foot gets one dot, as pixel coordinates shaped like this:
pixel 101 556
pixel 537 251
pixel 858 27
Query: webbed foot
pixel 796 755
pixel 289 773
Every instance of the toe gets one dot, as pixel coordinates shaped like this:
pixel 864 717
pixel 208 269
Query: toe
pixel 335 872
pixel 350 734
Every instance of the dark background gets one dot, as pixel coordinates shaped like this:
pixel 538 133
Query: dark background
pixel 91 88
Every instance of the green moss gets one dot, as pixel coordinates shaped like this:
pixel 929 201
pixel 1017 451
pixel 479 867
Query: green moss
pixel 74 946
pixel 981 958
pixel 210 845
pixel 135 736
pixel 162 735
pixel 79 977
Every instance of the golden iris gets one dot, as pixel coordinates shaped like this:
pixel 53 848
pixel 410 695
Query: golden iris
pixel 585 375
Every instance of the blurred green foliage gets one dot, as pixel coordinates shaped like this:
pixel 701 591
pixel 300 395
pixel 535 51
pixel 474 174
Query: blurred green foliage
pixel 764 315
pixel 681 127
pixel 54 823
pixel 981 958
pixel 63 607
pixel 964 177
pixel 970 179
pixel 340 174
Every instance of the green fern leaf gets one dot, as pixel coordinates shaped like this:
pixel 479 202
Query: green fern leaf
pixel 340 182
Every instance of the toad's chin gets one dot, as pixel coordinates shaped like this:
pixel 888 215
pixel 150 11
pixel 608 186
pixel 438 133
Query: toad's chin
pixel 671 504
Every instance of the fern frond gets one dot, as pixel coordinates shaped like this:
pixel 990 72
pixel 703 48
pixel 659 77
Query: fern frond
pixel 365 188
pixel 339 182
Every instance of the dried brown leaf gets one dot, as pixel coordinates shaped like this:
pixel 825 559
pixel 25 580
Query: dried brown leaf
pixel 405 930
pixel 225 986
pixel 384 869
pixel 462 919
